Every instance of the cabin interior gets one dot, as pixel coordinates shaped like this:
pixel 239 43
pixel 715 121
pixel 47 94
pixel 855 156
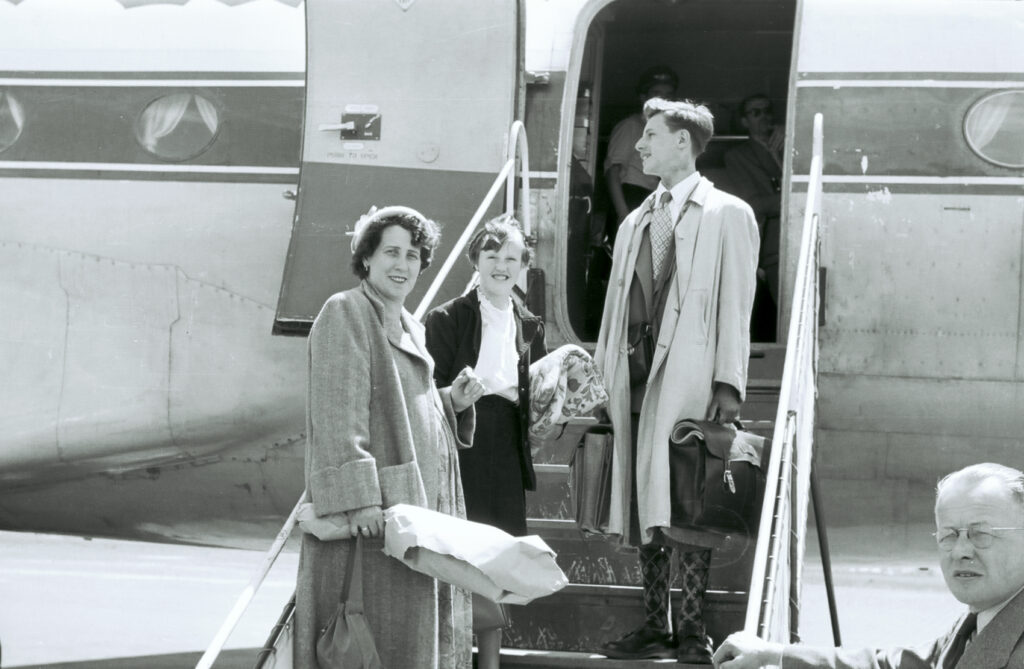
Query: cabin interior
pixel 722 52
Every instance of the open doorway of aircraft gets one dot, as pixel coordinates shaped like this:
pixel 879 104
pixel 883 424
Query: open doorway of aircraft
pixel 177 181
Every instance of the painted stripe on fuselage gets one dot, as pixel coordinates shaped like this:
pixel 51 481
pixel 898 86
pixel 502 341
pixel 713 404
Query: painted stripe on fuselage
pixel 152 75
pixel 128 167
pixel 149 172
pixel 930 181
pixel 909 130
pixel 169 83
pixel 83 124
pixel 907 83
pixel 910 76
pixel 911 186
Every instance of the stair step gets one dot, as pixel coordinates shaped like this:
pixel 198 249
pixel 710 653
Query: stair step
pixel 585 617
pixel 555 659
pixel 551 499
pixel 599 561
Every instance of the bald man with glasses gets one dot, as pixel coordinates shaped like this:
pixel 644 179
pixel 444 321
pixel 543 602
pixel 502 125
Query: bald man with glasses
pixel 979 515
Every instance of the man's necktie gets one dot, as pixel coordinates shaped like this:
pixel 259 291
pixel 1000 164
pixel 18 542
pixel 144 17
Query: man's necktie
pixel 661 233
pixel 956 649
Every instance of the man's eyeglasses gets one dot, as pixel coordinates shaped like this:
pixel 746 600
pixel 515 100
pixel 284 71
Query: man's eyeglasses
pixel 758 112
pixel 981 536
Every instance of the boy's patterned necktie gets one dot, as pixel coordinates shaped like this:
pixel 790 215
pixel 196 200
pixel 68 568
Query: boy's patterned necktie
pixel 661 233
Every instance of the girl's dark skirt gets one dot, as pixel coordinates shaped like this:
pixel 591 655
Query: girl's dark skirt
pixel 492 475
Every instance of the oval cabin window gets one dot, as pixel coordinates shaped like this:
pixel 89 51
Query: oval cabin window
pixel 995 128
pixel 12 120
pixel 178 126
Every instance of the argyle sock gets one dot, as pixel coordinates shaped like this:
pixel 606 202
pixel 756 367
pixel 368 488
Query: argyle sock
pixel 655 567
pixel 694 567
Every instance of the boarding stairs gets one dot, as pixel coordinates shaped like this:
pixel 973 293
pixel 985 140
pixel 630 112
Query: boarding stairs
pixel 754 582
pixel 603 600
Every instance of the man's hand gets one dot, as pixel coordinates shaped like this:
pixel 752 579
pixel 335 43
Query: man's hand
pixel 368 521
pixel 466 389
pixel 744 650
pixel 725 404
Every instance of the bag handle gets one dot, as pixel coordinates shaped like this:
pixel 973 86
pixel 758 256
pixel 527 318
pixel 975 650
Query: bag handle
pixel 352 591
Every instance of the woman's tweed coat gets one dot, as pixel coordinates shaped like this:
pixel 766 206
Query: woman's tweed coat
pixel 362 431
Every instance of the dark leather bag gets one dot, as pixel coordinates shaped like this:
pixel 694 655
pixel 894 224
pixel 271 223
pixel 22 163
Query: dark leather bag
pixel 639 352
pixel 711 491
pixel 346 641
pixel 590 480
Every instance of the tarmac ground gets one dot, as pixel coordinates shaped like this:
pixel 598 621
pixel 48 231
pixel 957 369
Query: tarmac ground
pixel 85 604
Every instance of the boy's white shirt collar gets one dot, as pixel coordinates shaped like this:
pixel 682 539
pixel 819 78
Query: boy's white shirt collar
pixel 680 194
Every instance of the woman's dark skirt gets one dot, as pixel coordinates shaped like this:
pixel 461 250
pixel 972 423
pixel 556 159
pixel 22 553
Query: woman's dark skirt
pixel 492 476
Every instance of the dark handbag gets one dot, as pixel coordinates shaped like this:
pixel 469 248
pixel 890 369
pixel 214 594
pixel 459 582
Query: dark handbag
pixel 590 480
pixel 710 490
pixel 487 614
pixel 346 642
pixel 639 352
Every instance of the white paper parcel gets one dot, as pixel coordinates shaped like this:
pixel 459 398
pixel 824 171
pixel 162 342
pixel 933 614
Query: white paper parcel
pixel 474 556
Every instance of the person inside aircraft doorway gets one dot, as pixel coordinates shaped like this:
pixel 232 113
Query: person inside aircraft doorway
pixel 624 175
pixel 755 171
pixel 674 344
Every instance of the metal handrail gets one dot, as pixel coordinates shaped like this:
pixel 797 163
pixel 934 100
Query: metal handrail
pixel 788 473
pixel 460 244
pixel 244 599
pixel 517 146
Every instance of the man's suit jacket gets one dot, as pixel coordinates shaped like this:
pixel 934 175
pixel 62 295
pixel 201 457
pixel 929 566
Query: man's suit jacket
pixel 755 176
pixel 999 646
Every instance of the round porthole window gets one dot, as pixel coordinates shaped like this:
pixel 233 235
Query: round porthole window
pixel 178 127
pixel 994 128
pixel 12 120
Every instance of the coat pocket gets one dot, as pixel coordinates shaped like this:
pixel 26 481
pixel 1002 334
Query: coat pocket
pixel 695 316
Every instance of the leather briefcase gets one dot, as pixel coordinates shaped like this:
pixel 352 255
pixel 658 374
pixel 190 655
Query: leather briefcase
pixel 590 480
pixel 716 484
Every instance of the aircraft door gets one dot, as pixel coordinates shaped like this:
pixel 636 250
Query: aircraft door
pixel 407 102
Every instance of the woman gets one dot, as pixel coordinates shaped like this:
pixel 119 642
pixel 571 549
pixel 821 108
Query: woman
pixel 491 331
pixel 378 434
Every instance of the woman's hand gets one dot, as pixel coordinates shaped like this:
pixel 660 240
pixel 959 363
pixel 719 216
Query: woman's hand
pixel 368 521
pixel 466 390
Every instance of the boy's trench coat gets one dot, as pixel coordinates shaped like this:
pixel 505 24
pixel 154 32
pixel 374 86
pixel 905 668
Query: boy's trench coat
pixel 704 338
pixel 362 427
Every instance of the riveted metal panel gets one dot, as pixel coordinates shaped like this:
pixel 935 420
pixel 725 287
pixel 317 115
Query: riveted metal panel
pixel 922 285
